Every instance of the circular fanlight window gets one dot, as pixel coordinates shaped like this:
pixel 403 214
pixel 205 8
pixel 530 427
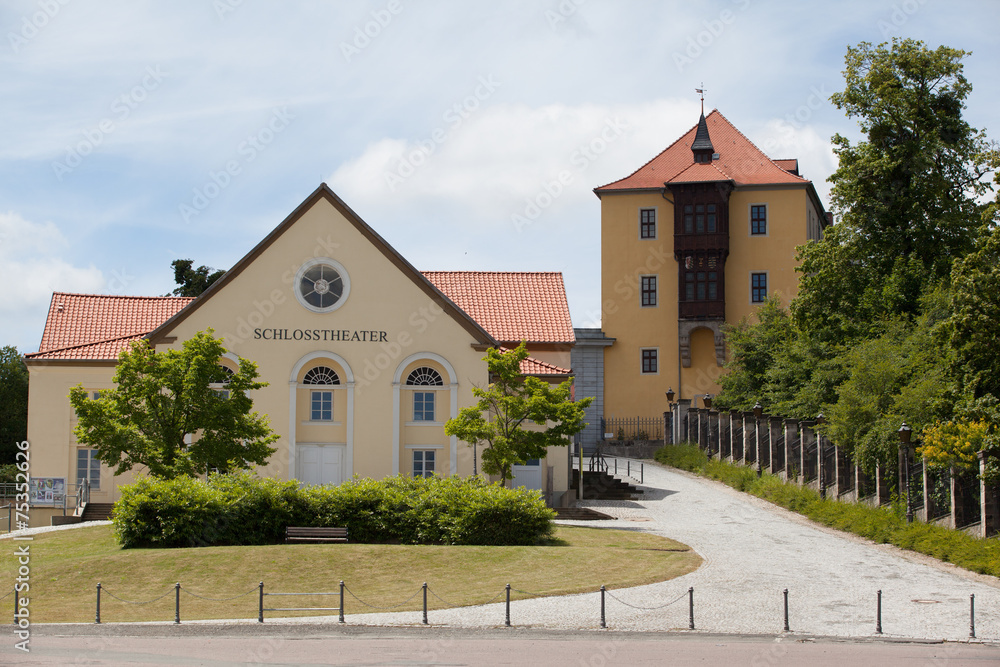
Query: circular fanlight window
pixel 322 285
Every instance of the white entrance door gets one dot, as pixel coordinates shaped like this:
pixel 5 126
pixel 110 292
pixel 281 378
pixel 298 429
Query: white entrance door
pixel 320 464
pixel 529 475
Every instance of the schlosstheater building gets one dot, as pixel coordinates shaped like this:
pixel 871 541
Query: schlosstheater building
pixel 366 357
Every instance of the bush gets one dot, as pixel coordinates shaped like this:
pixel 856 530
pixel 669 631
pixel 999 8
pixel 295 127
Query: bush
pixel 8 473
pixel 885 525
pixel 242 509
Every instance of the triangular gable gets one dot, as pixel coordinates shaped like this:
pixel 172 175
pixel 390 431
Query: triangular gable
pixel 479 334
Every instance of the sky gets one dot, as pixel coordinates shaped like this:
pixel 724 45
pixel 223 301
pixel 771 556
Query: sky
pixel 470 135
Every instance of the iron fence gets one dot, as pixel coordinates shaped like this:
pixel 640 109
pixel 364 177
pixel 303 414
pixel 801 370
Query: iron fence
pixel 625 429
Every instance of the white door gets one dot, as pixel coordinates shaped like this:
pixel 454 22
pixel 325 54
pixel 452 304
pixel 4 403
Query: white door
pixel 320 464
pixel 529 475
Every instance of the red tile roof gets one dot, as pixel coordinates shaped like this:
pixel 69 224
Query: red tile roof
pixel 532 366
pixel 739 161
pixel 100 326
pixel 511 306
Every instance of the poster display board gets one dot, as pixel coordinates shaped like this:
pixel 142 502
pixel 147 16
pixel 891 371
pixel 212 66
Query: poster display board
pixel 47 491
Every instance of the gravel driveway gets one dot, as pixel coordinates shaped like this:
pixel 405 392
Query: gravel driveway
pixel 753 551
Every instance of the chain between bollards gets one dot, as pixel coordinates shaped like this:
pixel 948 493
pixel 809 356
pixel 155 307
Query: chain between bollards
pixel 603 624
pixel 878 613
pixel 972 616
pixel 98 618
pixel 691 608
pixel 425 603
pixel 177 602
pixel 507 619
pixel 786 610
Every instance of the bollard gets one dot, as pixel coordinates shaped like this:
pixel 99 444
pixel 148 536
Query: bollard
pixel 878 613
pixel 16 608
pixel 98 619
pixel 691 608
pixel 177 602
pixel 972 616
pixel 341 601
pixel 603 624
pixel 507 620
pixel 425 603
pixel 628 467
pixel 786 610
pixel 260 604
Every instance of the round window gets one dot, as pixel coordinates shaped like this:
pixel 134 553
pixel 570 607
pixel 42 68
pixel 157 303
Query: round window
pixel 322 285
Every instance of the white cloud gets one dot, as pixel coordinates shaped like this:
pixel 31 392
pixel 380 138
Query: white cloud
pixel 31 268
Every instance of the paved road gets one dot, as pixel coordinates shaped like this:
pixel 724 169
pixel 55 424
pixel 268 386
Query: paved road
pixel 309 645
pixel 753 551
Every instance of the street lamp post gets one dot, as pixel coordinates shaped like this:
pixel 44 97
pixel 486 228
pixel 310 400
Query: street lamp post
pixel 821 455
pixel 905 433
pixel 758 410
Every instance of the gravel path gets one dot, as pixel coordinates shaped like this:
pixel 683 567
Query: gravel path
pixel 752 550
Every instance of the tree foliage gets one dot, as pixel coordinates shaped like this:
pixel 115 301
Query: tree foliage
pixel 163 399
pixel 193 281
pixel 13 402
pixel 908 195
pixel 517 417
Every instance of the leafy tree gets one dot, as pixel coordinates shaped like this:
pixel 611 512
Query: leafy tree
pixel 908 195
pixel 954 444
pixel 13 402
pixel 161 399
pixel 193 281
pixel 509 406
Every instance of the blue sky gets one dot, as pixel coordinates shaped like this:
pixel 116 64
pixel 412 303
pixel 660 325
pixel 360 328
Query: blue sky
pixel 136 133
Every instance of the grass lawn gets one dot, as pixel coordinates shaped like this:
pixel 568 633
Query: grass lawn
pixel 67 565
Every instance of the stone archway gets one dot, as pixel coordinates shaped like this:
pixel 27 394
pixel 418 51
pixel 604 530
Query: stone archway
pixel 686 327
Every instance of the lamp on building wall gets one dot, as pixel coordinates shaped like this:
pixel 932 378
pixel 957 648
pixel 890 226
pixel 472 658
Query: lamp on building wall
pixel 758 410
pixel 820 420
pixel 905 433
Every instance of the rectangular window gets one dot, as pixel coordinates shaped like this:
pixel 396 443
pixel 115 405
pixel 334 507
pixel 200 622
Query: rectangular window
pixel 423 406
pixel 321 406
pixel 648 291
pixel 647 223
pixel 758 287
pixel 758 219
pixel 649 365
pixel 423 463
pixel 701 286
pixel 689 219
pixel 88 467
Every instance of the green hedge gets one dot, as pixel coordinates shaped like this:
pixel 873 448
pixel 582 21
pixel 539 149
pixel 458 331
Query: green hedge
pixel 243 509
pixel 886 525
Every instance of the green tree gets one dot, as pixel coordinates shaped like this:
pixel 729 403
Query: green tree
pixel 13 402
pixel 502 419
pixel 193 281
pixel 908 195
pixel 163 399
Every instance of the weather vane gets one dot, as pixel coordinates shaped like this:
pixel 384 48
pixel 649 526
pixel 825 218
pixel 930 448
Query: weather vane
pixel 701 91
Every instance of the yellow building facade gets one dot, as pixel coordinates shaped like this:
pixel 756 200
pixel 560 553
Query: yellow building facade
pixel 697 237
pixel 365 357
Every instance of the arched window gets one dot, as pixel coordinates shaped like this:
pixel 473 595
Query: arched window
pixel 223 379
pixel 424 376
pixel 423 401
pixel 227 374
pixel 321 375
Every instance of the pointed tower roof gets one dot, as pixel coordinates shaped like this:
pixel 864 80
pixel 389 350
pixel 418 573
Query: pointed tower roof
pixel 702 142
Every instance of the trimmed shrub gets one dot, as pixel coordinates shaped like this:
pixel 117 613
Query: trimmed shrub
pixel 243 509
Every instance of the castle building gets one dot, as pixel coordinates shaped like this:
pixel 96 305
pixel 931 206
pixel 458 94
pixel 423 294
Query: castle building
pixel 699 236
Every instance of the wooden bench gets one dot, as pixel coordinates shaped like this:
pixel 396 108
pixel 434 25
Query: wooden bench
pixel 304 534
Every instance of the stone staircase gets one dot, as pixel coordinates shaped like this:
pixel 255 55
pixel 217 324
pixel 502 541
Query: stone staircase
pixel 603 486
pixel 97 511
